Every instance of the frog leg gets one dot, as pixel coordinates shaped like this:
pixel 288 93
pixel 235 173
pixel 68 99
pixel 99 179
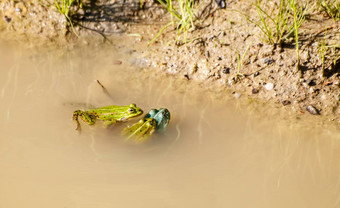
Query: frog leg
pixel 145 134
pixel 143 129
pixel 87 118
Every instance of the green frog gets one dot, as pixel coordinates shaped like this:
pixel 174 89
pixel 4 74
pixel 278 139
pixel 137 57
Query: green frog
pixel 144 128
pixel 109 114
pixel 162 117
pixel 141 130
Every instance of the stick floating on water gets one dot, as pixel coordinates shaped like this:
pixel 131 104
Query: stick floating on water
pixel 104 89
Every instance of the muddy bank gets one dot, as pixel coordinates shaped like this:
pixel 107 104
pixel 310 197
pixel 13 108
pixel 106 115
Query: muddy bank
pixel 268 72
pixel 32 18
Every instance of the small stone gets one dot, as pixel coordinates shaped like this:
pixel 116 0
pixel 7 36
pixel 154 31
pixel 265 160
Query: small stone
pixel 254 91
pixel 117 62
pixel 7 19
pixel 226 70
pixel 268 60
pixel 207 53
pixel 221 3
pixel 286 102
pixel 269 86
pixel 237 95
pixel 312 110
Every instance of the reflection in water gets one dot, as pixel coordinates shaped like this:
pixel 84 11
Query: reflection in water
pixel 217 152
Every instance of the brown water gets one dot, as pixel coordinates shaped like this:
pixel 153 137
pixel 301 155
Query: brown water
pixel 217 151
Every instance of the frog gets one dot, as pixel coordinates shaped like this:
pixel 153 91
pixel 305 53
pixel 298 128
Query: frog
pixel 162 117
pixel 141 130
pixel 155 120
pixel 109 114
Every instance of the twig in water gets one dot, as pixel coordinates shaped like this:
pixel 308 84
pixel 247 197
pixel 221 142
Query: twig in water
pixel 104 89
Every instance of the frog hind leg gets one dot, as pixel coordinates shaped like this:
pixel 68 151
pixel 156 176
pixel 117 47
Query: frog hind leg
pixel 87 118
pixel 144 132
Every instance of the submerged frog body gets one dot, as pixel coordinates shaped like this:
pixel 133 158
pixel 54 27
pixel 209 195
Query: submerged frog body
pixel 141 130
pixel 109 114
pixel 144 128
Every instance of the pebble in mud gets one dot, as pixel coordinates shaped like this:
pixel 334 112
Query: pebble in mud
pixel 237 95
pixel 117 62
pixel 268 60
pixel 312 110
pixel 269 86
pixel 226 70
pixel 8 19
pixel 286 102
pixel 254 91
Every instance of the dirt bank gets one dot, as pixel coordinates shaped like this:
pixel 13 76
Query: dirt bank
pixel 269 72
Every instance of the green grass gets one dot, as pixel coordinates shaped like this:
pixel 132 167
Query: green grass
pixel 324 49
pixel 64 7
pixel 298 15
pixel 331 7
pixel 182 18
pixel 240 61
pixel 279 23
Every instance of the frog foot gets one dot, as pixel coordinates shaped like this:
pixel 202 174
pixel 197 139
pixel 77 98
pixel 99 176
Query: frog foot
pixel 87 118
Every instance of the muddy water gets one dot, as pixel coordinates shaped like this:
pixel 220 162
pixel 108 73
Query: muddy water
pixel 217 152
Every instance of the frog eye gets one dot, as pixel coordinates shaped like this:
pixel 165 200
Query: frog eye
pixel 131 110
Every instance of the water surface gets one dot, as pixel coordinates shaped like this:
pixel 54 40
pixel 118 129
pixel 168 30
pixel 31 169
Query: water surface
pixel 217 152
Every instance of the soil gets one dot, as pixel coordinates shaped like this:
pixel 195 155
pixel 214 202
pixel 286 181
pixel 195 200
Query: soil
pixel 269 72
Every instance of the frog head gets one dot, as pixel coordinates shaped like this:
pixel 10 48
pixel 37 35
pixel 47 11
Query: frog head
pixel 132 111
pixel 162 117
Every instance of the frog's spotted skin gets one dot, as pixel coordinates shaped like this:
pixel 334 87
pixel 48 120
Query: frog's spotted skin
pixel 87 118
pixel 155 120
pixel 109 114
